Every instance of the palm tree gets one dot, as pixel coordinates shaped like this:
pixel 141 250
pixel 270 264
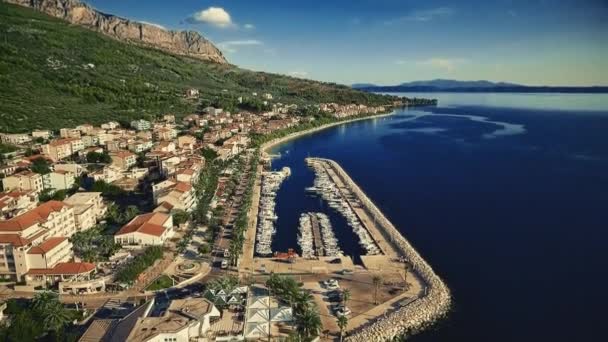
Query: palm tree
pixel 342 324
pixel 376 279
pixel 56 318
pixel 45 301
pixel 309 323
pixel 301 301
pixel 345 296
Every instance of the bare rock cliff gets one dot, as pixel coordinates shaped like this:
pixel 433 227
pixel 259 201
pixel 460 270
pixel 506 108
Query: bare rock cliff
pixel 185 43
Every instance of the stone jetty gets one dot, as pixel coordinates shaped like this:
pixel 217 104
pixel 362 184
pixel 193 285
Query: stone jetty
pixel 411 316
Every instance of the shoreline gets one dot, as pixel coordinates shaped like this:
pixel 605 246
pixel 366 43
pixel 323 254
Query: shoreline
pixel 272 143
pixel 418 314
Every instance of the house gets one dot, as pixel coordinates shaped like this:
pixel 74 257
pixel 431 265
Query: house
pixel 108 174
pixel 146 230
pixel 169 118
pixel 138 146
pixel 58 149
pixel 180 195
pixel 44 134
pixel 7 170
pixel 165 146
pixel 141 125
pixel 192 92
pixel 24 180
pixel 85 129
pixel 15 139
pixel 76 169
pixel 88 209
pixel 184 320
pixel 110 125
pixel 165 133
pixel 58 180
pixel 186 141
pixel 123 159
pixel 213 111
pixel 14 203
pixel 67 133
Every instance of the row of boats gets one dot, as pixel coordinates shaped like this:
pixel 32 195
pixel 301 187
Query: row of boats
pixel 271 182
pixel 327 189
pixel 309 244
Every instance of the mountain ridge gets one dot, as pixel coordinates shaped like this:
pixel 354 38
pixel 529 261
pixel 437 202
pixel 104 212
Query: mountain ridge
pixel 447 85
pixel 184 43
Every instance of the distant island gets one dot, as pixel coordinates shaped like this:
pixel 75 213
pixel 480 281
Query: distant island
pixel 482 86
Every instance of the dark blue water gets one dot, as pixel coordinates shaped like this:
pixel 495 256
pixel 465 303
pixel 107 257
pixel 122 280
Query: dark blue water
pixel 513 219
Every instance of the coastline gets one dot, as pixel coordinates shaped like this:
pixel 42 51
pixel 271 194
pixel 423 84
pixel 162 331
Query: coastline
pixel 272 143
pixel 416 315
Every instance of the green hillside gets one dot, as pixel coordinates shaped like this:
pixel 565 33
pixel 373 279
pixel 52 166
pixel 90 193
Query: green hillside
pixel 53 74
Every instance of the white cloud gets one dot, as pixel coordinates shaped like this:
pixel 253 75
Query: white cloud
pixel 423 15
pixel 153 24
pixel 249 26
pixel 215 16
pixel 401 61
pixel 299 74
pixel 446 64
pixel 232 45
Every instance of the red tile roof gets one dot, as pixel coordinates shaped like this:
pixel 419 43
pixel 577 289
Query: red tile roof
pixel 14 239
pixel 47 245
pixel 182 187
pixel 64 268
pixel 151 224
pixel 38 215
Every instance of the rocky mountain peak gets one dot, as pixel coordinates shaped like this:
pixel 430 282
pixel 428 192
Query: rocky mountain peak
pixel 184 43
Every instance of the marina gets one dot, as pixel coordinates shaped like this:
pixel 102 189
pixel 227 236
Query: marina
pixel 271 181
pixel 316 237
pixel 342 201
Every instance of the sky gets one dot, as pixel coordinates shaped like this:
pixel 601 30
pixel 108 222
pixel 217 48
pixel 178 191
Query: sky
pixel 387 42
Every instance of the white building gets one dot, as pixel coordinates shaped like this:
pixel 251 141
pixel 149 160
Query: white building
pixel 59 180
pixel 141 125
pixel 146 230
pixel 88 209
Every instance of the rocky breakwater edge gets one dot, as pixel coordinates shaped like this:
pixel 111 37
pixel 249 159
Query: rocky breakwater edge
pixel 417 314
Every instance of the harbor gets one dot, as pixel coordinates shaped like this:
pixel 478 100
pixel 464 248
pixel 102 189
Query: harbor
pixel 271 181
pixel 411 294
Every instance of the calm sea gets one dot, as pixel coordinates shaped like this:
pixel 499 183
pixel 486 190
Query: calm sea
pixel 505 195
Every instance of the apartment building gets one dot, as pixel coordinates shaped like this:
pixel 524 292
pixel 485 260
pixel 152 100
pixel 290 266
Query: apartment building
pixel 123 159
pixel 89 209
pixel 24 180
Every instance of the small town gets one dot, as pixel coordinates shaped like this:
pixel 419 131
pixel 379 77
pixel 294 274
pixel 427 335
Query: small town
pixel 157 219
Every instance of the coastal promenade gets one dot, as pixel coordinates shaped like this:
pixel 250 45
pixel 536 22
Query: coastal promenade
pixel 391 321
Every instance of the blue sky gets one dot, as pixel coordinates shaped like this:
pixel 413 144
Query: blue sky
pixel 544 42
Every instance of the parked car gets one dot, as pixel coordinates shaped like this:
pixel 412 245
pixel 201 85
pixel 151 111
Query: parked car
pixel 226 253
pixel 331 284
pixel 343 311
pixel 334 296
pixel 224 264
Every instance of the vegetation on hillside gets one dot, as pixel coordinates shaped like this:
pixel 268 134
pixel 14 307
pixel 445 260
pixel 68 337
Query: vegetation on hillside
pixel 54 75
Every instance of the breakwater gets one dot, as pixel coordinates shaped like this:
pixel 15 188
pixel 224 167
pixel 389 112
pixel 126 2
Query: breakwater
pixel 432 304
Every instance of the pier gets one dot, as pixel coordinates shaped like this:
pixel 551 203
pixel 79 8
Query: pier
pixel 433 300
pixel 316 233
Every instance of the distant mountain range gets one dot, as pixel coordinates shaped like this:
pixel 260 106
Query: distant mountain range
pixel 442 85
